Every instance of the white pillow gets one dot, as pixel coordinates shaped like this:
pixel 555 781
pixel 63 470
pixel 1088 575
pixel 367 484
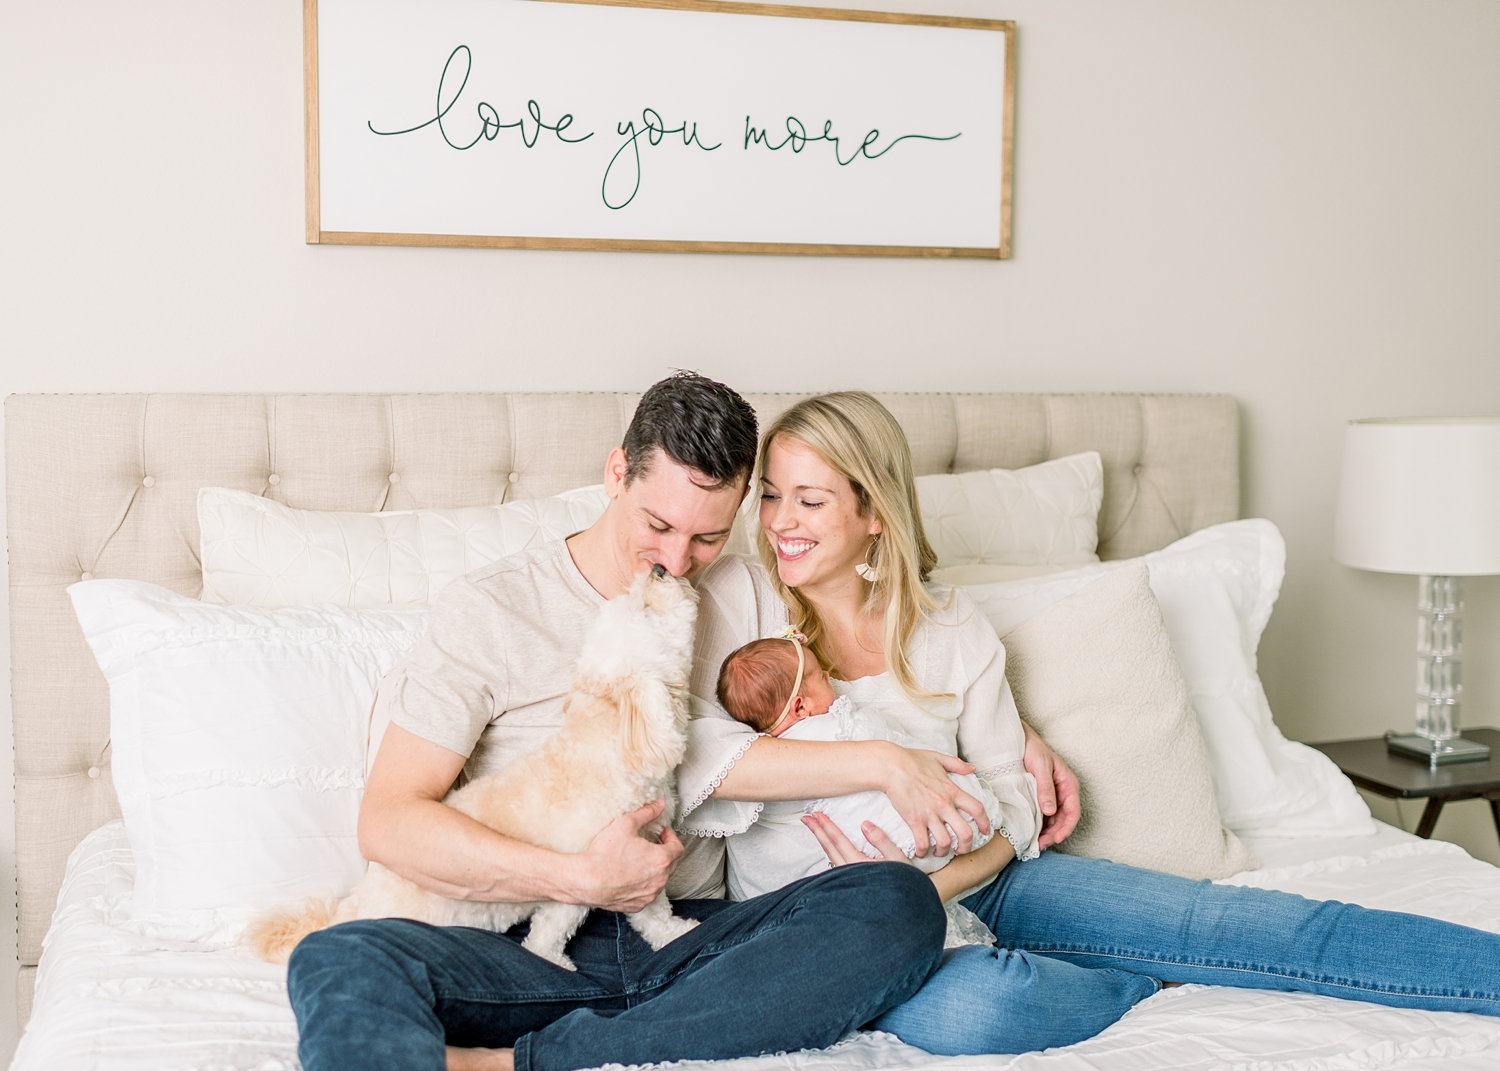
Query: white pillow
pixel 991 573
pixel 262 553
pixel 1045 514
pixel 1019 522
pixel 238 738
pixel 1216 588
pixel 1094 673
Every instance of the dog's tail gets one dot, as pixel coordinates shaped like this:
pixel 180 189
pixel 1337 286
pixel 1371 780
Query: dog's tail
pixel 274 934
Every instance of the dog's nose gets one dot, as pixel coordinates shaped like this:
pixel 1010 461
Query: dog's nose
pixel 659 571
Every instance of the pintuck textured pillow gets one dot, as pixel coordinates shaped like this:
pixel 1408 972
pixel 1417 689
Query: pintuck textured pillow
pixel 1042 515
pixel 1216 588
pixel 238 737
pixel 1094 673
pixel 261 553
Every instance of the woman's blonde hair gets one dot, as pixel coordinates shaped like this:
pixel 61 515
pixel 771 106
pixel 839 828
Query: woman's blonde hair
pixel 859 439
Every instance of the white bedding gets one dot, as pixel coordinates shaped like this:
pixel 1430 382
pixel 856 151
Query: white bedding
pixel 112 996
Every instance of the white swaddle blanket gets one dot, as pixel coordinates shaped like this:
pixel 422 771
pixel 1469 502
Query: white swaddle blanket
pixel 844 721
pixel 778 849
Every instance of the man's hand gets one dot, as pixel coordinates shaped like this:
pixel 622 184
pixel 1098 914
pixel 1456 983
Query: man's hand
pixel 1056 789
pixel 622 870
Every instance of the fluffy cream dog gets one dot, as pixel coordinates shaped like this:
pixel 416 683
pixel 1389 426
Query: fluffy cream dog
pixel 623 734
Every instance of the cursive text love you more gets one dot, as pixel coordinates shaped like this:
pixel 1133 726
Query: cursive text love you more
pixel 530 128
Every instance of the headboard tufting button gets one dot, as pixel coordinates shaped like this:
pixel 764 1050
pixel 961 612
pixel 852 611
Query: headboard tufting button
pixel 85 575
pixel 273 479
pixel 394 477
pixel 514 477
pixel 93 773
pixel 148 481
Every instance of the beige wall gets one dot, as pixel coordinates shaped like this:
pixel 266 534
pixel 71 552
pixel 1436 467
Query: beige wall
pixel 1294 201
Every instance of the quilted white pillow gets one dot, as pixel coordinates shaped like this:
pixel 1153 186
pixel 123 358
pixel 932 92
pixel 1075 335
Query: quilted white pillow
pixel 1216 588
pixel 1042 515
pixel 261 553
pixel 238 740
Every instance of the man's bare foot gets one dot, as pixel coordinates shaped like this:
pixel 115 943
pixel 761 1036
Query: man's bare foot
pixel 480 1059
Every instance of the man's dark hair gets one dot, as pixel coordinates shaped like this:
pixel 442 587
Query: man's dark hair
pixel 696 422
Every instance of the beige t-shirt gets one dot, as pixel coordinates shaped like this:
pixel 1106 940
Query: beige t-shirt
pixel 489 676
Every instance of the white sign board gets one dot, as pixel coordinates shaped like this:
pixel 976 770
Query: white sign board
pixel 606 124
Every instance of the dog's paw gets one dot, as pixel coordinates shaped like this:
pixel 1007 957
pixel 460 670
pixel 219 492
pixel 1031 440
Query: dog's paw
pixel 549 952
pixel 663 932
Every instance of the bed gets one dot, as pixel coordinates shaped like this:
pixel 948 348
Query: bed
pixel 108 487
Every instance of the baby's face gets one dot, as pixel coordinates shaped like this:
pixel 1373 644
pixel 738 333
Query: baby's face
pixel 816 691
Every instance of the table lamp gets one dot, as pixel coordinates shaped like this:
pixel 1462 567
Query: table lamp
pixel 1422 496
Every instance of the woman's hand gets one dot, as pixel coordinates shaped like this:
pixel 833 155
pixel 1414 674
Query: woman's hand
pixel 965 872
pixel 923 794
pixel 1056 789
pixel 841 850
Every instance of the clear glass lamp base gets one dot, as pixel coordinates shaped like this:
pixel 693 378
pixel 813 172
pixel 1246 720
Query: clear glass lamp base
pixel 1436 752
pixel 1440 613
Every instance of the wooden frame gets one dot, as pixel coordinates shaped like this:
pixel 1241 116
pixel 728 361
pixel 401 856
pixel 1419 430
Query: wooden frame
pixel 942 194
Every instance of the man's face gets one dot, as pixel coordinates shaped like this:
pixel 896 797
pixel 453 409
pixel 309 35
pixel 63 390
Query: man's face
pixel 667 517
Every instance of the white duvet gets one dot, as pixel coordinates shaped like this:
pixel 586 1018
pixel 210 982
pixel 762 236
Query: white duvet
pixel 111 996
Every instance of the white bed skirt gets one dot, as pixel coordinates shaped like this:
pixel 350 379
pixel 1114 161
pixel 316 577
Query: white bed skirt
pixel 112 997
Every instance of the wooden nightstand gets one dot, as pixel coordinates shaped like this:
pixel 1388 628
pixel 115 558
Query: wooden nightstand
pixel 1370 766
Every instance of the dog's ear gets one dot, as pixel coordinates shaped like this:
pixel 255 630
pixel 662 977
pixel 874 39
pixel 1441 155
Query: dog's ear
pixel 640 743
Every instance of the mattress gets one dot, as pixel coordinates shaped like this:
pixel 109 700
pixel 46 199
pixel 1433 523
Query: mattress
pixel 112 996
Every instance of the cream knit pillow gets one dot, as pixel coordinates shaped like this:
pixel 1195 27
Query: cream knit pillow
pixel 1094 673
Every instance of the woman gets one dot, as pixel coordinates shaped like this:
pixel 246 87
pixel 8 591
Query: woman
pixel 845 559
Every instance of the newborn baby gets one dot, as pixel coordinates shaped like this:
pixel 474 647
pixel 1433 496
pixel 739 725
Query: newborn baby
pixel 777 687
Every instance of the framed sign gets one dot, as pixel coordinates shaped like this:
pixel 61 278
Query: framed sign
pixel 672 125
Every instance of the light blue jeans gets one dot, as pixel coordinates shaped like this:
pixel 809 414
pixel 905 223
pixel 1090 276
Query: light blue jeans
pixel 1097 936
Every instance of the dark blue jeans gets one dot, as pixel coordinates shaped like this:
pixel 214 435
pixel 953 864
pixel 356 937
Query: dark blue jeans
pixel 793 969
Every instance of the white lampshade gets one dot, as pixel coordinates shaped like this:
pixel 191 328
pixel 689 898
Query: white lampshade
pixel 1421 496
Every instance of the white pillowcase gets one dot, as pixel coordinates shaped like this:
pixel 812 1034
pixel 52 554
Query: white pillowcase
pixel 1216 588
pixel 261 553
pixel 238 746
pixel 1042 515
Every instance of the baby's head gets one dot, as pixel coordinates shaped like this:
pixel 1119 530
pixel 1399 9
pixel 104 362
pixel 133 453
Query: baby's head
pixel 772 684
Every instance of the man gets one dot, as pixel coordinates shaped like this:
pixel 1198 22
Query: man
pixel 486 684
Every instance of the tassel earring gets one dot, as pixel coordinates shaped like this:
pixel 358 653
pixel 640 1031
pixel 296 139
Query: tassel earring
pixel 864 570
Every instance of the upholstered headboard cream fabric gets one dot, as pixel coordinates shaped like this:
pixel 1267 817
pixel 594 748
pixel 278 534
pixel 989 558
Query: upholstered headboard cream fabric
pixel 105 486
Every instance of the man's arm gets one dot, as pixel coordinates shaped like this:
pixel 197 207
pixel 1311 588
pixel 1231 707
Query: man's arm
pixel 404 825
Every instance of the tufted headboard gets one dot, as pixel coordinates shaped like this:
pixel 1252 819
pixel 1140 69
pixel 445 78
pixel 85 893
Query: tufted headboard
pixel 104 485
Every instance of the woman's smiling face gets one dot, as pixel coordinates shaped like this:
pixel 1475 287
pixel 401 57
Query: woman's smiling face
pixel 811 516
